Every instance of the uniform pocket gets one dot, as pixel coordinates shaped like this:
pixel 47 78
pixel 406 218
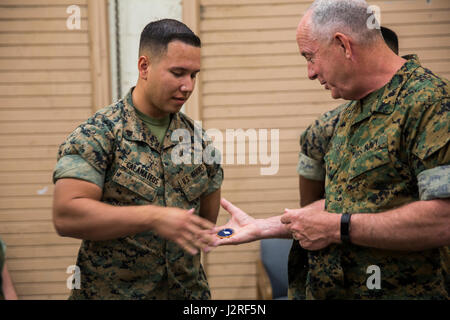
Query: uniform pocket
pixel 371 156
pixel 134 184
pixel 194 183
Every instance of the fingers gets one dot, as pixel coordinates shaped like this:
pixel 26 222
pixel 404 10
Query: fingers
pixel 287 216
pixel 196 234
pixel 228 206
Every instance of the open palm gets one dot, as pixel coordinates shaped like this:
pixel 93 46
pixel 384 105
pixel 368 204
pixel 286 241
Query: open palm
pixel 243 225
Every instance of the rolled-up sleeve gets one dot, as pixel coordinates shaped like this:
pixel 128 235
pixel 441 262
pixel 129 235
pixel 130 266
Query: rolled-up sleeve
pixel 310 168
pixel 434 183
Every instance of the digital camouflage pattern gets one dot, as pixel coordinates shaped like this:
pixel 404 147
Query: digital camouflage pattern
pixel 137 170
pixel 382 146
pixel 314 142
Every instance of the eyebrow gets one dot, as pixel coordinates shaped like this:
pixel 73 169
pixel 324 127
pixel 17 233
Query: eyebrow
pixel 184 69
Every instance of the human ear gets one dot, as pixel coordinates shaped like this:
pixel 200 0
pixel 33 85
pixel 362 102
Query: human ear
pixel 344 43
pixel 143 67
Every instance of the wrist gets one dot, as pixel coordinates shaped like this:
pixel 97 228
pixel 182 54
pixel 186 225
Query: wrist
pixel 335 228
pixel 345 225
pixel 151 215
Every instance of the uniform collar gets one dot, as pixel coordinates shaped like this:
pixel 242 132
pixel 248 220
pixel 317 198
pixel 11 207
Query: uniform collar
pixel 135 129
pixel 390 91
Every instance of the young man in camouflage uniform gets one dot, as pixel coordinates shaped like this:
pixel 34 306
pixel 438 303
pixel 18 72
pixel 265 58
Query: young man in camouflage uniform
pixel 388 165
pixel 121 187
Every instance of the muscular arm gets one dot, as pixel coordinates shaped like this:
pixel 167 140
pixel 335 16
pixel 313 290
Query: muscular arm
pixel 78 213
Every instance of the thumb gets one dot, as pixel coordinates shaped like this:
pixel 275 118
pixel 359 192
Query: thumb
pixel 228 206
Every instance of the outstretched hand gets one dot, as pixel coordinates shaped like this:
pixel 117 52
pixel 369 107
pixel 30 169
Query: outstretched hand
pixel 243 225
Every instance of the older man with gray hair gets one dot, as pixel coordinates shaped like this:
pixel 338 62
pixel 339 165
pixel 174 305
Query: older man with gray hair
pixel 383 229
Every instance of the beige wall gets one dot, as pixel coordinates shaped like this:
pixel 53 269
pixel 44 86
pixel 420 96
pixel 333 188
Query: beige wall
pixel 51 79
pixel 253 77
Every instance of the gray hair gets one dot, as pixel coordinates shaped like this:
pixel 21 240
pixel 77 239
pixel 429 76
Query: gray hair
pixel 347 16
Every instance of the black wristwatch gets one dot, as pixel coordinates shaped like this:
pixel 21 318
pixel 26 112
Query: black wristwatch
pixel 345 227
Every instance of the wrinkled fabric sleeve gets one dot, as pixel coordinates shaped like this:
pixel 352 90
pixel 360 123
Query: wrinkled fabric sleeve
pixel 92 142
pixel 310 168
pixel 430 154
pixel 314 143
pixel 75 167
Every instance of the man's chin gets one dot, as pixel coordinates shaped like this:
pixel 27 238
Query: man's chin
pixel 335 93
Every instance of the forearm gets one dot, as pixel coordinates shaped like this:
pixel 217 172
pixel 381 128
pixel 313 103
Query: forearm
pixel 89 219
pixel 419 225
pixel 272 228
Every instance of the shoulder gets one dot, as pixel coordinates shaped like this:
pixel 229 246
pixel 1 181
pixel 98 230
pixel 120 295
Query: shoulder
pixel 108 117
pixel 424 87
pixel 333 115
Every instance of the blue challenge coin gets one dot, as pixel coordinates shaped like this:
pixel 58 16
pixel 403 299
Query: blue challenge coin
pixel 225 233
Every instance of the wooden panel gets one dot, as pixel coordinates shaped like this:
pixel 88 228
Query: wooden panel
pixel 67 250
pixel 40 263
pixel 47 12
pixel 44 51
pixel 42 25
pixel 44 38
pixel 38 239
pixel 14 77
pixel 25 177
pixel 13 64
pixel 16 215
pixel 46 90
pixel 25 190
pixel 206 3
pixel 253 77
pixel 39 131
pixel 291 21
pixel 45 102
pixel 33 3
pixel 264 110
pixel 33 152
pixel 35 140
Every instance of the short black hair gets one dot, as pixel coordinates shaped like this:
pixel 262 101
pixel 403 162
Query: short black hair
pixel 391 39
pixel 158 34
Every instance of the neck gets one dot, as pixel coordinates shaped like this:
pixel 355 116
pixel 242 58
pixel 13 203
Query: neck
pixel 377 68
pixel 142 103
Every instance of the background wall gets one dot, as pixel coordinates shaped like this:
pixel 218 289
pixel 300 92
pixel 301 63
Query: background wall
pixel 133 16
pixel 252 77
pixel 45 90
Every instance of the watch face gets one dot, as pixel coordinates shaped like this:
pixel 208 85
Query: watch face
pixel 225 233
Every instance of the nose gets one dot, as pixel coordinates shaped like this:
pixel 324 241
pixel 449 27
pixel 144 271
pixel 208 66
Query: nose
pixel 312 75
pixel 187 85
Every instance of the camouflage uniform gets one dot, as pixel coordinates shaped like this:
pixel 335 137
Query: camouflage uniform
pixel 390 149
pixel 137 170
pixel 314 143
